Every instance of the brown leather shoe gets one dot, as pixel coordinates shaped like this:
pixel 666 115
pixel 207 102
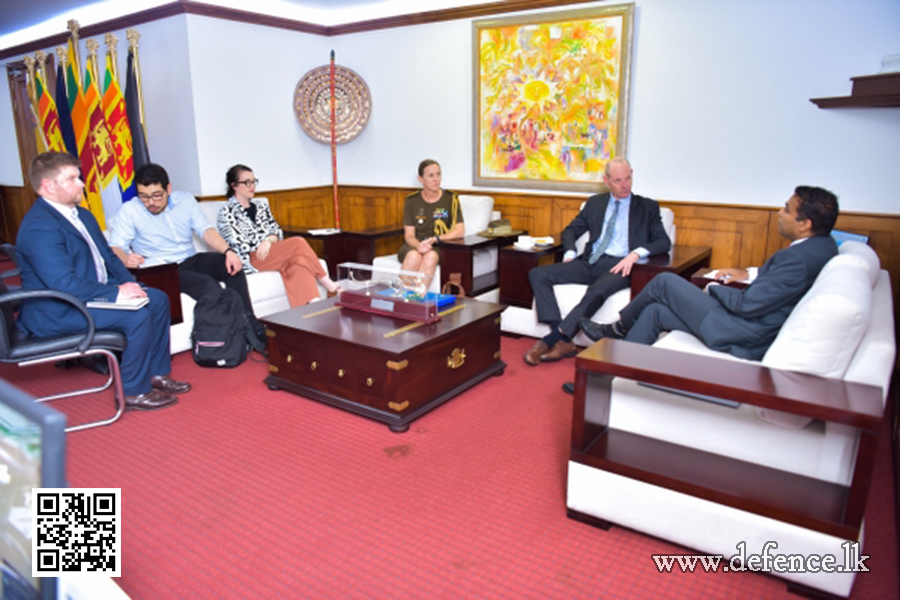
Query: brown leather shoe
pixel 149 401
pixel 533 356
pixel 561 349
pixel 166 384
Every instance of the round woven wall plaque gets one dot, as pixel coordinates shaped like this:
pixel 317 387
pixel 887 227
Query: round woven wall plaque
pixel 312 104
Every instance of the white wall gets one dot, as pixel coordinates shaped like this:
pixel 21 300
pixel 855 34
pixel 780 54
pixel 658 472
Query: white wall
pixel 243 80
pixel 720 107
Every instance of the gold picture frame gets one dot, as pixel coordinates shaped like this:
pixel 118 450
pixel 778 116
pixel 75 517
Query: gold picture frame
pixel 551 97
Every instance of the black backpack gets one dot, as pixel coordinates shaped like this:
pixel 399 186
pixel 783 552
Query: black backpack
pixel 222 335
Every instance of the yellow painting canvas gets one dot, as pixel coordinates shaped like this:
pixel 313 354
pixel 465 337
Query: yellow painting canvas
pixel 552 97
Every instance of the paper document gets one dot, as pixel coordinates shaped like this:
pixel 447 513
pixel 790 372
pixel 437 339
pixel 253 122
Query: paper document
pixel 325 231
pixel 124 304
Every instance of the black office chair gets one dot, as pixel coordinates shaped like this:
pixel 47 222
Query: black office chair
pixel 25 350
pixel 10 251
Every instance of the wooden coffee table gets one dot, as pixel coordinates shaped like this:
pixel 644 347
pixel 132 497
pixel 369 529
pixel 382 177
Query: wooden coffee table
pixel 383 368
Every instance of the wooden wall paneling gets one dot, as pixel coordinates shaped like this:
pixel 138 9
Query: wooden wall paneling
pixel 534 215
pixel 16 201
pixel 302 209
pixel 364 207
pixel 564 211
pixel 737 235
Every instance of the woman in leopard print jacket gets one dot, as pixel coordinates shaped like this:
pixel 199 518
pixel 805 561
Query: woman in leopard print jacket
pixel 248 226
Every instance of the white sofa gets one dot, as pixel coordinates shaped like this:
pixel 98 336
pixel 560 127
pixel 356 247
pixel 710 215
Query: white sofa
pixel 842 329
pixel 523 321
pixel 477 212
pixel 266 288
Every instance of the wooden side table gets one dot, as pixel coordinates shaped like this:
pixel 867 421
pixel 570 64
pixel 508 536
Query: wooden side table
pixel 348 246
pixel 681 260
pixel 165 278
pixel 515 263
pixel 457 257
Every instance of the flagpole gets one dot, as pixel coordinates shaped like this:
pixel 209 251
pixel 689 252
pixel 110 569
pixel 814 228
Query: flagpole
pixel 73 33
pixel 63 60
pixel 111 44
pixel 31 88
pixel 334 176
pixel 133 37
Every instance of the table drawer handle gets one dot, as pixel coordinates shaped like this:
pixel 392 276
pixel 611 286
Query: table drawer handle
pixel 290 358
pixel 314 365
pixel 370 381
pixel 341 372
pixel 457 358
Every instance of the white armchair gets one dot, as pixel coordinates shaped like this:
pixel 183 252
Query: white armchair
pixel 477 212
pixel 523 321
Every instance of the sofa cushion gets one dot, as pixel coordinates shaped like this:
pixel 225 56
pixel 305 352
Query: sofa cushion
pixel 865 252
pixel 476 212
pixel 823 331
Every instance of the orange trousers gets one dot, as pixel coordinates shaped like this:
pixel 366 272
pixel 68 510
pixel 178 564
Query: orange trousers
pixel 299 267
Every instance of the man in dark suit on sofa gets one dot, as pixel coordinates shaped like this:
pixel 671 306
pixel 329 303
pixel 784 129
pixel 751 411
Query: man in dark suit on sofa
pixel 624 227
pixel 60 247
pixel 742 322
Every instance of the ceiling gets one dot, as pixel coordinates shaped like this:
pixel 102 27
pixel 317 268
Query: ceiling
pixel 22 21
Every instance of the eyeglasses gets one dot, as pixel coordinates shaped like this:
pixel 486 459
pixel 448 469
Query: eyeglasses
pixel 154 196
pixel 248 182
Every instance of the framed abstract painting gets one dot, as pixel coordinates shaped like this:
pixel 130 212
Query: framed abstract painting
pixel 551 97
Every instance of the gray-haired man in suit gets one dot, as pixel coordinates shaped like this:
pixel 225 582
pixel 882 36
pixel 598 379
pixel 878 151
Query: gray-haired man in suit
pixel 623 228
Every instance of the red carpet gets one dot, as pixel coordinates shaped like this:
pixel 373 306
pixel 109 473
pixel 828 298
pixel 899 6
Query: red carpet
pixel 240 492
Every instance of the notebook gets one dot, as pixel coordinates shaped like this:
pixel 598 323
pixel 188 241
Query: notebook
pixel 124 304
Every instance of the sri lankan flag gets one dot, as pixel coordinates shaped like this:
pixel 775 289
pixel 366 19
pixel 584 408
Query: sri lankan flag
pixel 47 116
pixel 81 126
pixel 114 112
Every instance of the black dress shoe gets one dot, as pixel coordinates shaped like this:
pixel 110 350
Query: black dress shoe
pixel 152 400
pixel 167 385
pixel 597 331
pixel 569 387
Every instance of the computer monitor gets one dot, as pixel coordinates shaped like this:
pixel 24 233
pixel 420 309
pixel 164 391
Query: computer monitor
pixel 32 455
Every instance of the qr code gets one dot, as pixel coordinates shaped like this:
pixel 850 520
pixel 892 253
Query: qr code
pixel 76 530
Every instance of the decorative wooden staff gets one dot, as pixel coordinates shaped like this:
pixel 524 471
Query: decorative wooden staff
pixel 334 177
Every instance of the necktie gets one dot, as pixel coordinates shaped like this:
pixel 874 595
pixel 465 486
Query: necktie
pixel 99 263
pixel 603 243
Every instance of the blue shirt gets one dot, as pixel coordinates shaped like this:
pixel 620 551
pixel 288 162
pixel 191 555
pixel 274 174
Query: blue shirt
pixel 618 245
pixel 163 238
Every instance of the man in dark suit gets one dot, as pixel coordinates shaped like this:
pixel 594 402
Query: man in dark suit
pixel 742 322
pixel 624 227
pixel 60 247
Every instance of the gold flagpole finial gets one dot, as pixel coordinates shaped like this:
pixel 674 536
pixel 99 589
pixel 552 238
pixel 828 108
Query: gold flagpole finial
pixel 92 46
pixel 73 28
pixel 41 58
pixel 133 36
pixel 62 56
pixel 111 44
